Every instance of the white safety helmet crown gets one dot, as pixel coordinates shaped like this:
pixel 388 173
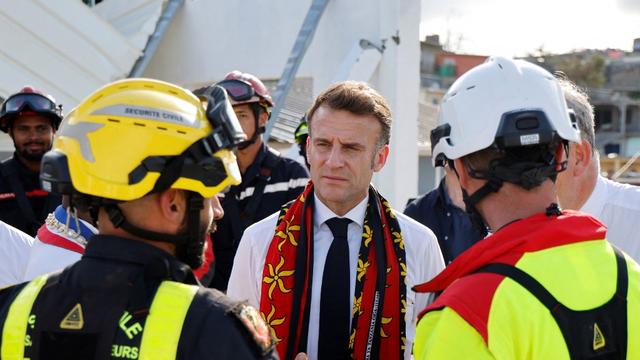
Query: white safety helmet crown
pixel 505 102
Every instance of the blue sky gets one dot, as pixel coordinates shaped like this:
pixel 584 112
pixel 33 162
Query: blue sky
pixel 518 27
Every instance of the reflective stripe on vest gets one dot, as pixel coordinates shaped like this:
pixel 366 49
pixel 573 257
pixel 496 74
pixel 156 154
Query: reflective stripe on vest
pixel 163 326
pixel 15 325
pixel 161 332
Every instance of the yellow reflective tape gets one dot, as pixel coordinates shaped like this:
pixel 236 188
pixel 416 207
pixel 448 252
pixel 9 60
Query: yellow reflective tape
pixel 15 325
pixel 163 326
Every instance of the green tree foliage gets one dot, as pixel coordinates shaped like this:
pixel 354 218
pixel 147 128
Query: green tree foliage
pixel 585 71
pixel 585 68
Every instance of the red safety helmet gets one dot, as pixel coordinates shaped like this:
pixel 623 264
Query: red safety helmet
pixel 245 88
pixel 27 101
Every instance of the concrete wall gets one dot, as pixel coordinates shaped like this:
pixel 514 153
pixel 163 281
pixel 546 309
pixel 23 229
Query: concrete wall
pixel 61 47
pixel 426 177
pixel 206 40
pixel 399 82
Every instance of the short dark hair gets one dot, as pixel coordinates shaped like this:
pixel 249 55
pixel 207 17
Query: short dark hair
pixel 358 98
pixel 525 166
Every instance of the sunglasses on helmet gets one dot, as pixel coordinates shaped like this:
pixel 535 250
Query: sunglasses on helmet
pixel 238 90
pixel 35 102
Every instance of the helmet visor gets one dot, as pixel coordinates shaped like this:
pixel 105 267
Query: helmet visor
pixel 35 102
pixel 238 90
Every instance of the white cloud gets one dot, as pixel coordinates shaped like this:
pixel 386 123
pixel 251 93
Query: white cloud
pixel 629 5
pixel 442 9
pixel 517 27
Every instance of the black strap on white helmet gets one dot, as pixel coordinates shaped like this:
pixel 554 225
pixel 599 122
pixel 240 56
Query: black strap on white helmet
pixel 528 142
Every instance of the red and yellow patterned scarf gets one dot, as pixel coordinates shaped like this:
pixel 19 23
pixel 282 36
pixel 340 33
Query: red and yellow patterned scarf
pixel 379 308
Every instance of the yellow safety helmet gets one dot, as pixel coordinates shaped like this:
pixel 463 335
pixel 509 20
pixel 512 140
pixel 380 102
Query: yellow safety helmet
pixel 136 136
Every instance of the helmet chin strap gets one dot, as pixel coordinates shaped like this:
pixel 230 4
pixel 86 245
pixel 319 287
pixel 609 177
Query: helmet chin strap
pixel 259 129
pixel 189 245
pixel 527 174
pixel 191 252
pixel 245 144
pixel 492 185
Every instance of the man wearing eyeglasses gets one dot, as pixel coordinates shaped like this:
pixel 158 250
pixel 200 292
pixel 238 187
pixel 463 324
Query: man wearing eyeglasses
pixel 268 179
pixel 30 118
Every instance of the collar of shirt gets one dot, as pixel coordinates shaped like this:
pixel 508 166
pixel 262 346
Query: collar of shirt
pixel 86 229
pixel 322 239
pixel 21 166
pixel 322 212
pixel 442 190
pixel 254 169
pixel 32 178
pixel 159 263
pixel 595 202
pixel 444 196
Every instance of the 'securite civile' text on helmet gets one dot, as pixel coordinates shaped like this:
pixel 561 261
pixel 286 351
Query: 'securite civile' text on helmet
pixel 123 138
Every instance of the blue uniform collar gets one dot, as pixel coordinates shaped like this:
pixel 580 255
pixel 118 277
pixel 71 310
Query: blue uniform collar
pixel 160 263
pixel 86 229
pixel 442 191
pixel 254 168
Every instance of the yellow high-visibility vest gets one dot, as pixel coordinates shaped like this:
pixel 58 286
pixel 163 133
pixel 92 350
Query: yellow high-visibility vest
pixel 161 332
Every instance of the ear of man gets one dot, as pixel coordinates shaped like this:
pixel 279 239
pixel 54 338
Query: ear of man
pixel 172 206
pixel 264 117
pixel 580 157
pixel 380 158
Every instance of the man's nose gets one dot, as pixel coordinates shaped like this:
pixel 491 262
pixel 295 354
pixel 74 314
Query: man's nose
pixel 335 156
pixel 218 211
pixel 32 133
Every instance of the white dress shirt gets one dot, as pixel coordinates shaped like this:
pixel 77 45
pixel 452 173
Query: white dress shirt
pixel 45 258
pixel 14 252
pixel 424 261
pixel 617 206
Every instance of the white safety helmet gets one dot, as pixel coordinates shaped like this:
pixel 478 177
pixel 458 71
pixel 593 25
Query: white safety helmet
pixel 502 102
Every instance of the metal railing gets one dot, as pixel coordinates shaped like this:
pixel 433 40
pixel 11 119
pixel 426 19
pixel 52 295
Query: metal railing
pixel 305 36
pixel 626 166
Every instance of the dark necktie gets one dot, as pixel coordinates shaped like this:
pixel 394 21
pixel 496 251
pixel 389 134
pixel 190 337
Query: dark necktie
pixel 335 301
